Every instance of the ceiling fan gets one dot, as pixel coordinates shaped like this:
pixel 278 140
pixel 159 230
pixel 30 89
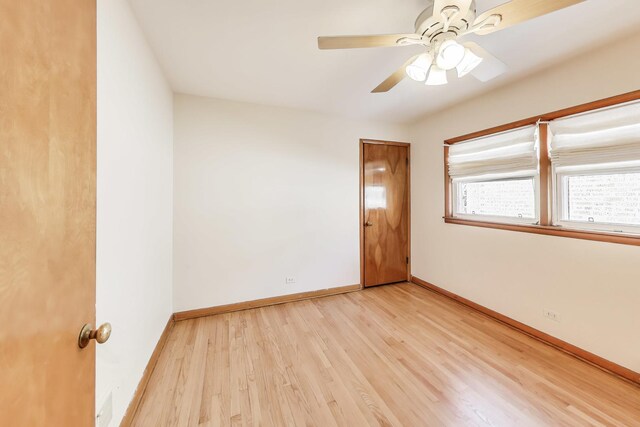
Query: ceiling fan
pixel 438 29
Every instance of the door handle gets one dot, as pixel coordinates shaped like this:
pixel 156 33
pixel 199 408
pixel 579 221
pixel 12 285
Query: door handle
pixel 368 224
pixel 87 333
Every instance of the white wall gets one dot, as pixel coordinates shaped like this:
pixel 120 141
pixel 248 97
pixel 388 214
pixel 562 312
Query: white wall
pixel 594 286
pixel 134 212
pixel 263 193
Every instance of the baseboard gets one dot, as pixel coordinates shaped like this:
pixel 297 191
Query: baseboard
pixel 146 375
pixel 210 311
pixel 571 349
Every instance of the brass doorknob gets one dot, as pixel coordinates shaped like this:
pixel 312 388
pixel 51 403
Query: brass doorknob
pixel 368 224
pixel 87 333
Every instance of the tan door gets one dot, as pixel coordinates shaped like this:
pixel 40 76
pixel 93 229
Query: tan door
pixel 47 211
pixel 385 213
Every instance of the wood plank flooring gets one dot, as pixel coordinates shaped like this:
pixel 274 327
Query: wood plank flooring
pixel 395 355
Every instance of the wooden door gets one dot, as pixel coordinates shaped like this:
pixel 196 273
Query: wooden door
pixel 47 211
pixel 385 213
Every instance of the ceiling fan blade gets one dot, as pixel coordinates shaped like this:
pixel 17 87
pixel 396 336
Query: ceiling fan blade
pixel 517 11
pixel 490 67
pixel 353 42
pixel 394 78
pixel 462 5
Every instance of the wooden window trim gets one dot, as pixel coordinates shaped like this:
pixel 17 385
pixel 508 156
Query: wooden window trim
pixel 545 177
pixel 545 227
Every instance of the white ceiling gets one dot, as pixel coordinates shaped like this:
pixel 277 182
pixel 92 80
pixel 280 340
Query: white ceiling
pixel 265 51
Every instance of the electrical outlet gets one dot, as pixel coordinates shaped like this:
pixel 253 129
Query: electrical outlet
pixel 289 280
pixel 106 413
pixel 551 315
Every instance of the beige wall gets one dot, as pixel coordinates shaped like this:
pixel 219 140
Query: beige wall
pixel 264 193
pixel 595 287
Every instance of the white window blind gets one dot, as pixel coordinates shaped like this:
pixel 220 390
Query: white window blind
pixel 608 135
pixel 511 153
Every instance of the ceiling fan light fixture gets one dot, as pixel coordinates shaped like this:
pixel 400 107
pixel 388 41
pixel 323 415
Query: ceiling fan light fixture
pixel 468 63
pixel 437 76
pixel 437 28
pixel 419 68
pixel 450 55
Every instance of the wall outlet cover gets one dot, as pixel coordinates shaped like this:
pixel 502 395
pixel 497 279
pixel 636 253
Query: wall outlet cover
pixel 551 315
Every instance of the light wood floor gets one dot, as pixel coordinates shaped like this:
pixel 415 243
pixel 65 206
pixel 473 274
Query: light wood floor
pixel 393 355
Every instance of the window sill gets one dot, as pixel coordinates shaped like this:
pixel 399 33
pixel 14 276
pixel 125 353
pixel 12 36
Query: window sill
pixel 620 238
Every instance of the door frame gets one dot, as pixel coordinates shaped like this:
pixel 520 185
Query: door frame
pixel 364 141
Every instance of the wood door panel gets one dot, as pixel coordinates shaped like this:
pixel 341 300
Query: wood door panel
pixel 386 208
pixel 47 211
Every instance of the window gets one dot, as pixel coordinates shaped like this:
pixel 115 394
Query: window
pixel 572 173
pixel 608 200
pixel 596 169
pixel 495 178
pixel 507 198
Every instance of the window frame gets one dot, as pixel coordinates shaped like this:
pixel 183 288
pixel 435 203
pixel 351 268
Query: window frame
pixel 547 182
